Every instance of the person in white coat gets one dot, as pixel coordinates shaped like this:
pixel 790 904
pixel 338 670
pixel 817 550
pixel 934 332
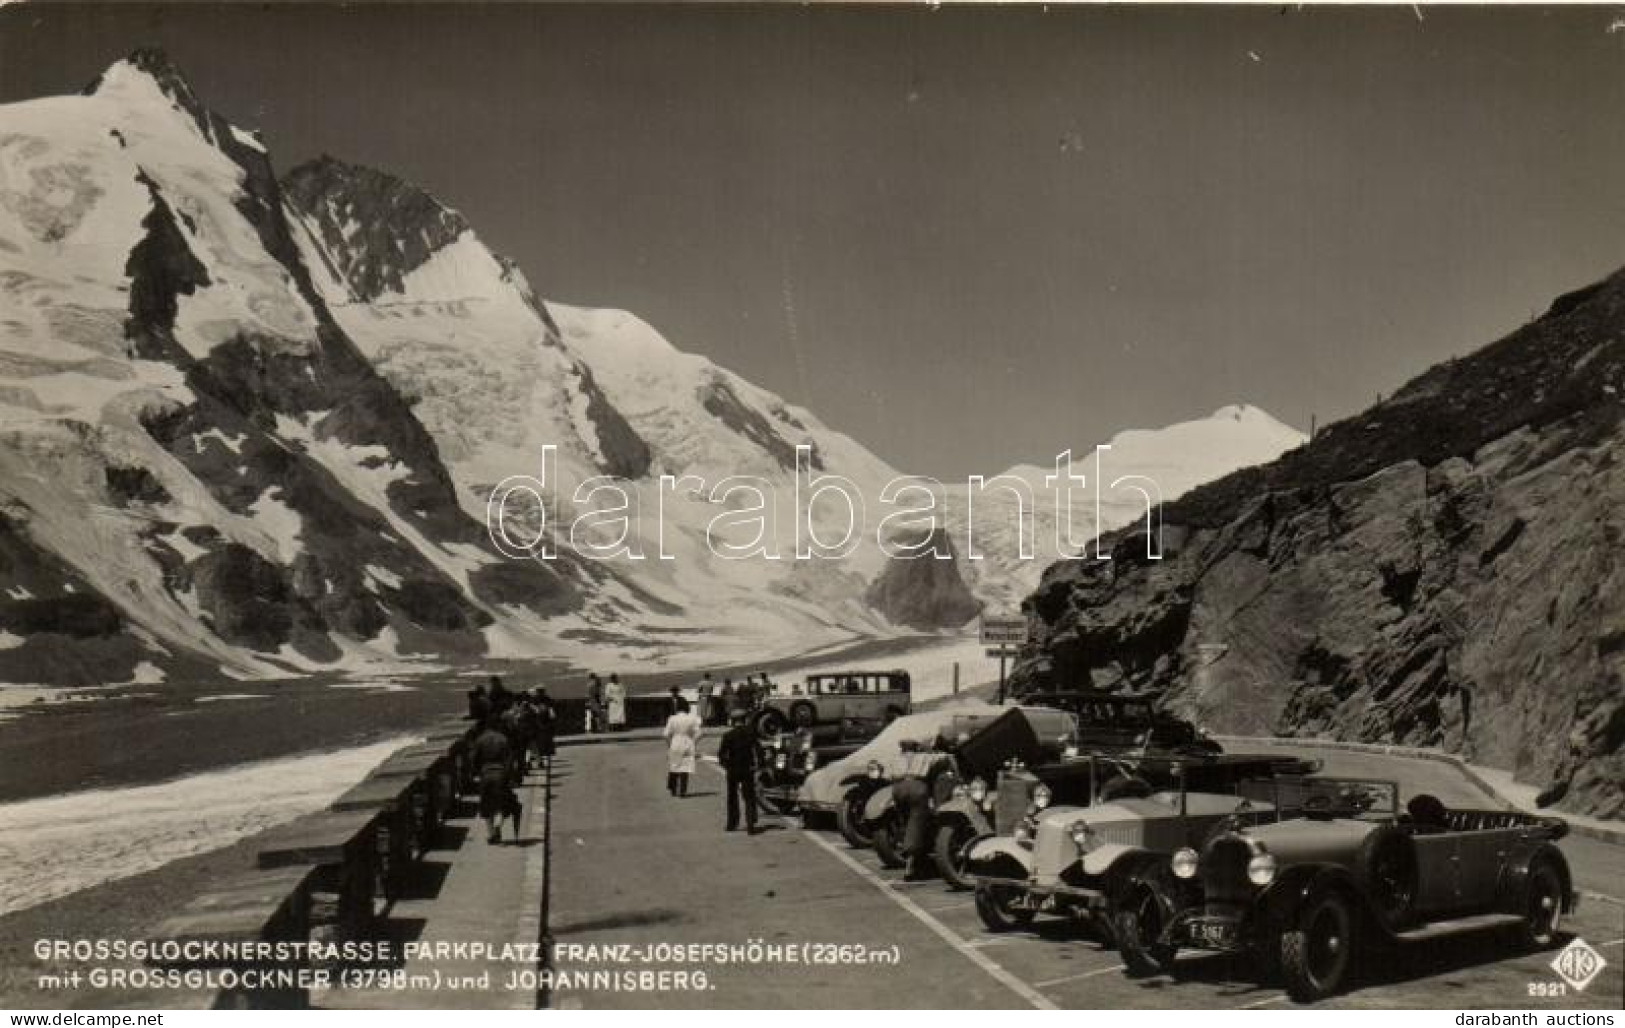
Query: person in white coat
pixel 615 701
pixel 682 735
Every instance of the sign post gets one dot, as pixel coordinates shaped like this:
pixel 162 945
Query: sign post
pixel 1003 635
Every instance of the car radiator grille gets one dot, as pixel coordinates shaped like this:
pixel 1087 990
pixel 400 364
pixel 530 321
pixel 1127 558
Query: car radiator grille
pixel 1224 874
pixel 1015 792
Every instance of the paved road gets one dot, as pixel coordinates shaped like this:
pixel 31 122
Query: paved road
pixel 635 868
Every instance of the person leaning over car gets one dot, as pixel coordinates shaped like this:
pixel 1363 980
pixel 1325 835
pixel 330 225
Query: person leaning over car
pixel 737 755
pixel 911 792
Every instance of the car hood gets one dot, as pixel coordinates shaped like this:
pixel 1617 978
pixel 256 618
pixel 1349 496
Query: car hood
pixel 1305 840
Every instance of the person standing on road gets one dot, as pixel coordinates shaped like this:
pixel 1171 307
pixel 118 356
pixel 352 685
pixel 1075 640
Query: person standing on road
pixel 728 699
pixel 737 755
pixel 615 696
pixel 547 717
pixel 595 704
pixel 493 757
pixel 704 691
pixel 682 734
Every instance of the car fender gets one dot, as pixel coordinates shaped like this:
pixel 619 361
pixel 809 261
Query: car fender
pixel 1103 858
pixel 1148 871
pixel 1292 890
pixel 1515 875
pixel 963 809
pixel 998 849
pixel 879 804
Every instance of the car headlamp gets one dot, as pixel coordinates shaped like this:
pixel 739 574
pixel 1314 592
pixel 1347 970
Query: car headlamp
pixel 1184 863
pixel 781 761
pixel 778 742
pixel 1261 869
pixel 875 770
pixel 1082 835
pixel 1041 796
pixel 978 790
pixel 806 744
pixel 1024 831
pixel 811 762
pixel 1070 751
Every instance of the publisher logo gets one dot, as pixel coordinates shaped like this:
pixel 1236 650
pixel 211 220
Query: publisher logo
pixel 1578 964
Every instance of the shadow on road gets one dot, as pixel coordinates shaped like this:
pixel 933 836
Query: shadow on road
pixel 639 919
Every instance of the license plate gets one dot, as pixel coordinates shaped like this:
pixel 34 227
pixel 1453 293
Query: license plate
pixel 1214 934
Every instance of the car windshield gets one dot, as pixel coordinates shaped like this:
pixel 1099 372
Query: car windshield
pixel 1349 797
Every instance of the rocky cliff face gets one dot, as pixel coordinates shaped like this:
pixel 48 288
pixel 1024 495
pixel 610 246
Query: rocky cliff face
pixel 1442 570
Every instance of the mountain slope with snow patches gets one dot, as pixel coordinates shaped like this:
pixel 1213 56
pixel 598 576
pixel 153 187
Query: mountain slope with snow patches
pixel 189 441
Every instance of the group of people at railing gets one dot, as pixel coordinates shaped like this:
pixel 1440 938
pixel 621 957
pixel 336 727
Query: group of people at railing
pixel 714 704
pixel 516 733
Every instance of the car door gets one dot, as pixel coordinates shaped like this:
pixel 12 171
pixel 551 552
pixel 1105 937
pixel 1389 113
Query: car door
pixel 1481 855
pixel 865 702
pixel 1438 878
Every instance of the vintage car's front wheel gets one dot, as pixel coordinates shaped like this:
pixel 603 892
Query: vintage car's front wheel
pixel 1138 926
pixel 849 819
pixel 1317 949
pixel 995 904
pixel 1543 907
pixel 948 850
pixel 887 836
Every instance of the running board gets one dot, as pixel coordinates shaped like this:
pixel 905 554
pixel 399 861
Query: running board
pixel 1456 926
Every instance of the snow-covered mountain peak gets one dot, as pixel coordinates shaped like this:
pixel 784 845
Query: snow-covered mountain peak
pixel 147 69
pixel 1186 454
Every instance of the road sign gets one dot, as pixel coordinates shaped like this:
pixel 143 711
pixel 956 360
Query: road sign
pixel 1004 631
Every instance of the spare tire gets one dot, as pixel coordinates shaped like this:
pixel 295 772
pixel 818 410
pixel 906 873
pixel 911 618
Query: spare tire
pixel 769 723
pixel 803 714
pixel 1385 868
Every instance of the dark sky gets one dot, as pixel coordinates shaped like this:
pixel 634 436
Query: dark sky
pixel 968 236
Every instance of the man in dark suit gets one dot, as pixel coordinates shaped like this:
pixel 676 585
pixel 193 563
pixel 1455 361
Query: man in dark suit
pixel 737 755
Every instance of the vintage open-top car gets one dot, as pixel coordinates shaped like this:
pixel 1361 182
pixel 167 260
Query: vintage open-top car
pixel 1306 893
pixel 990 802
pixel 1074 860
pixel 833 699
